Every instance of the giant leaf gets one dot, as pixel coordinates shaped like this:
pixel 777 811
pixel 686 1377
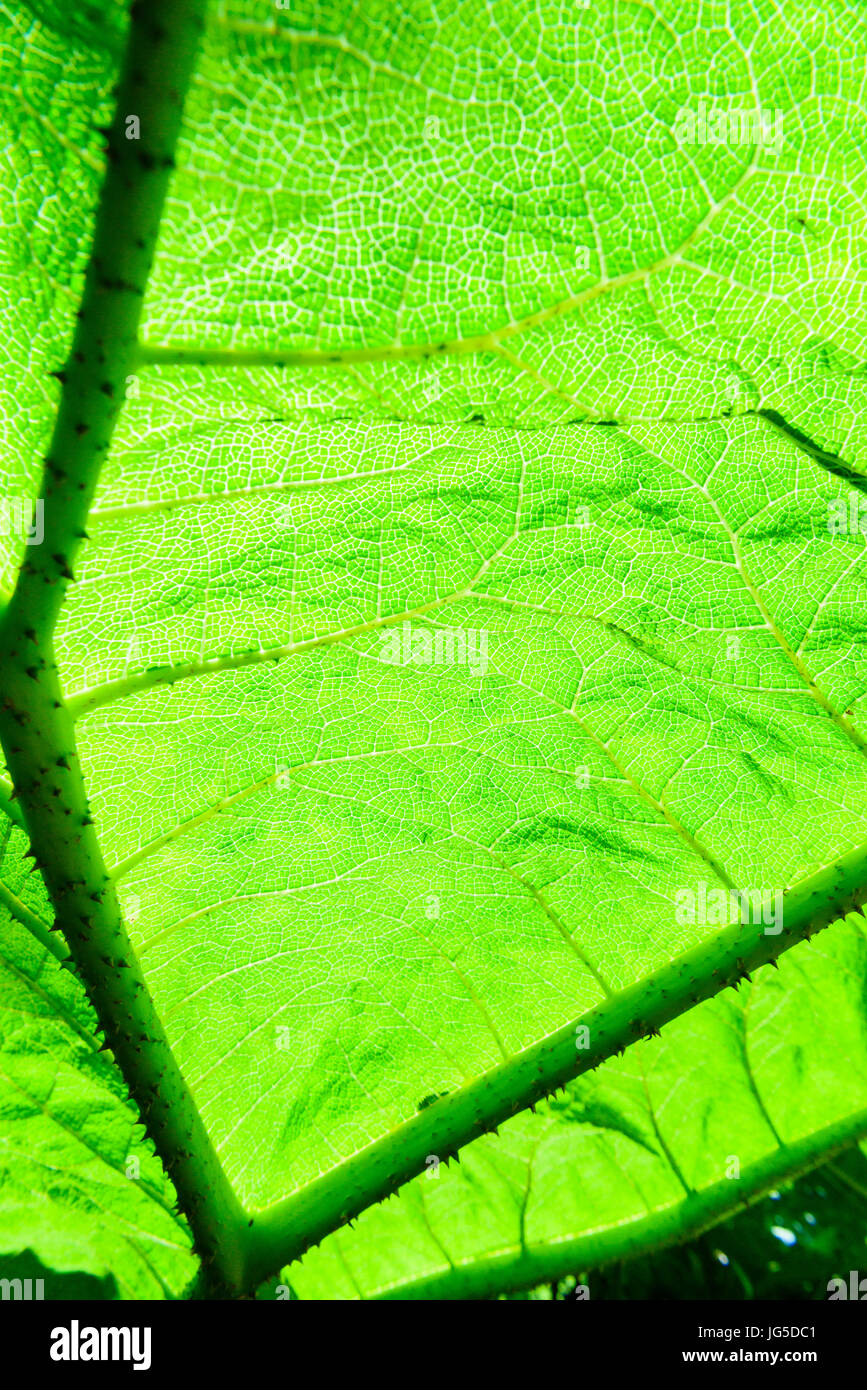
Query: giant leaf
pixel 735 1099
pixel 452 608
pixel 623 1164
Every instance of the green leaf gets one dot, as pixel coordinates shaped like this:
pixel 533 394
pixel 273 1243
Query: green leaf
pixel 735 1100
pixel 368 753
pixel 85 1204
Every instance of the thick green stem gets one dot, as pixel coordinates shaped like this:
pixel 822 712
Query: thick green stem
pixel 35 726
pixel 40 742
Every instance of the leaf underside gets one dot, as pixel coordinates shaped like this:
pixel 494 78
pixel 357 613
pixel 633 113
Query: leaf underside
pixel 452 603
